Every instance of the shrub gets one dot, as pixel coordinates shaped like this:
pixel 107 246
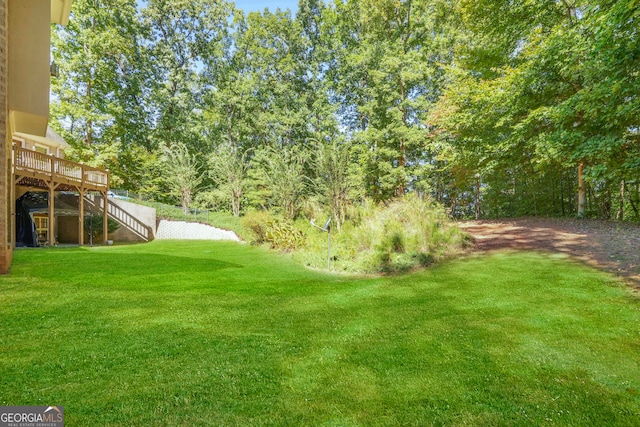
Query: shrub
pixel 283 235
pixel 93 226
pixel 424 260
pixel 406 233
pixel 214 199
pixel 280 234
pixel 256 222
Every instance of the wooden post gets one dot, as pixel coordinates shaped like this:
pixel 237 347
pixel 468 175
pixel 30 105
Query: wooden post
pixel 477 198
pixel 105 217
pixel 51 229
pixel 81 217
pixel 106 207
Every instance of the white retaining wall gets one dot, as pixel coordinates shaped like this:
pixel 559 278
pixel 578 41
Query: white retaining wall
pixel 181 230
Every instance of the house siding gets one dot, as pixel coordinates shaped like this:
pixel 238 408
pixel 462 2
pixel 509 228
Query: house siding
pixel 5 143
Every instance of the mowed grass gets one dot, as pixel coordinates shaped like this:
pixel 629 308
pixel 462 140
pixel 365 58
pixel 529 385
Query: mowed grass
pixel 205 333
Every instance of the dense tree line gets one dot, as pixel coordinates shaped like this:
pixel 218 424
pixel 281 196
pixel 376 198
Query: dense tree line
pixel 494 108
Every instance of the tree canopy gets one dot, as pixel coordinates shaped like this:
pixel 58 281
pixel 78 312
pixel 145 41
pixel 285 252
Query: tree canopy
pixel 493 108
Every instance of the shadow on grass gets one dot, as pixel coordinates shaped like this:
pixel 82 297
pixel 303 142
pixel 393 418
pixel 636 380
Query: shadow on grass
pixel 111 267
pixel 507 339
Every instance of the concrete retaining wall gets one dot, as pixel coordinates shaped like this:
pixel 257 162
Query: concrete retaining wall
pixel 181 230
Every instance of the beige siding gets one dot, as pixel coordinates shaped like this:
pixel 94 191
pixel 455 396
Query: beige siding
pixel 29 74
pixel 5 169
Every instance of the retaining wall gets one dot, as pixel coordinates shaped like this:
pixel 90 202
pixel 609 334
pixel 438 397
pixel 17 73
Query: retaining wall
pixel 182 230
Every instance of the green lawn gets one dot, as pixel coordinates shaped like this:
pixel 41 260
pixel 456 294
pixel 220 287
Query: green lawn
pixel 202 333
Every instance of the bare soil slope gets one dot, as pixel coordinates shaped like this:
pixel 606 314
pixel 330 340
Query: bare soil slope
pixel 611 246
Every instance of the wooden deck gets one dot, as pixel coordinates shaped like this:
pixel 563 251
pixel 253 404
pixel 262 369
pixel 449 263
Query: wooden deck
pixel 34 169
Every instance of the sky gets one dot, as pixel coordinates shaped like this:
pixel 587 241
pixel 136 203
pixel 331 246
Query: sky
pixel 259 5
pixel 272 5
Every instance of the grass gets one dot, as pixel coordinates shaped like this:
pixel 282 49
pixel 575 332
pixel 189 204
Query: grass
pixel 201 333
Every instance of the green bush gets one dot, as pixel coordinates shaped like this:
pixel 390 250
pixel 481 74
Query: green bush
pixel 93 226
pixel 407 233
pixel 215 200
pixel 280 234
pixel 284 236
pixel 256 222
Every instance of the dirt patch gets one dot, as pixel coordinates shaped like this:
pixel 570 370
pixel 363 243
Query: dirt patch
pixel 611 246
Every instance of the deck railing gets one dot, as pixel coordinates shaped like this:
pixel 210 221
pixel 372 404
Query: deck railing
pixel 129 221
pixel 40 163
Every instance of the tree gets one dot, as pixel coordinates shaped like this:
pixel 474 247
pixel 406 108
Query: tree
pixel 183 37
pixel 279 178
pixel 332 163
pixel 228 168
pixel 182 173
pixel 527 96
pixel 387 73
pixel 98 97
pixel 275 71
pixel 496 107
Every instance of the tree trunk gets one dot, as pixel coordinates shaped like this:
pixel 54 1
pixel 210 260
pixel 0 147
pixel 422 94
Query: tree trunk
pixel 236 198
pixel 620 214
pixel 89 138
pixel 402 160
pixel 477 197
pixel 582 191
pixel 454 204
pixel 562 193
pixel 185 200
pixel 632 202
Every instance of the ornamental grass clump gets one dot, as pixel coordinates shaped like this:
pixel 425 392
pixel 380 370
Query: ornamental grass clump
pixel 407 233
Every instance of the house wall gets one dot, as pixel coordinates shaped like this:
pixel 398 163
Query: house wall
pixel 29 74
pixel 67 229
pixel 24 94
pixel 25 37
pixel 48 146
pixel 5 141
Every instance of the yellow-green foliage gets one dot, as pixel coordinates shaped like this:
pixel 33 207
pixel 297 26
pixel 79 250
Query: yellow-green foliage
pixel 280 234
pixel 406 233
